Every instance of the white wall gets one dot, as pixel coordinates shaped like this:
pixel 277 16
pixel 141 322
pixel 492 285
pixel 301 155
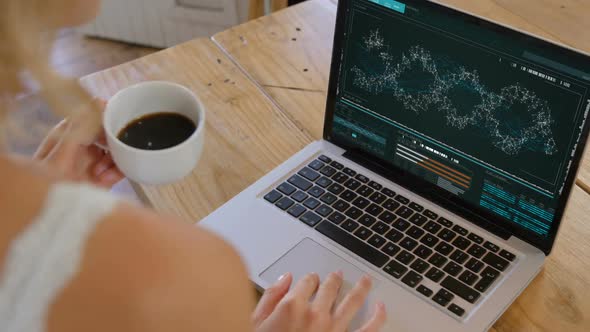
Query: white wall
pixel 164 23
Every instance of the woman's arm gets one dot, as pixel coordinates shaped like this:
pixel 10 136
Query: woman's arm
pixel 144 273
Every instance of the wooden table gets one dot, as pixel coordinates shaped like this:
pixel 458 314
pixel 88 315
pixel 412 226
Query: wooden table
pixel 264 86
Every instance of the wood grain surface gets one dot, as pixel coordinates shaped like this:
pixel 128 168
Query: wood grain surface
pixel 246 136
pixel 289 53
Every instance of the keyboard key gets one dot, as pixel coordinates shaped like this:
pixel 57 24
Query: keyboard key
pixel 286 189
pixel 412 279
pixel 424 291
pixel 316 191
pixel 395 269
pixel 296 210
pixel 284 203
pixel 475 238
pixel 350 225
pixel 459 256
pixel 375 185
pixel 336 165
pixel 300 182
pixel 430 214
pixel 309 174
pixel 419 265
pixel 367 220
pixel 401 224
pixel 434 274
pixel 391 205
pixel 405 257
pixel 446 294
pixel 415 232
pixel 328 171
pixel 484 284
pixel 380 228
pixel 423 252
pixel 337 218
pixel 352 184
pixel 444 248
pixel 377 241
pixel 394 235
pixel 456 287
pixel 476 251
pixel 352 243
pixel 374 209
pixel 340 177
pixel 441 299
pixel 507 255
pixel 354 213
pixel 324 210
pixel 299 196
pixel 457 310
pixel 336 188
pixel 362 178
pixel 445 222
pixel 329 198
pixel 416 207
pixel 438 260
pixel 490 272
pixel 361 202
pixel 273 196
pixel 316 165
pixel 387 217
pixel 453 269
pixel 324 182
pixel 491 247
pixel 310 218
pixel 325 159
pixel 402 199
pixel 365 191
pixel 404 212
pixel 349 172
pixel 311 203
pixel 461 243
pixel 496 261
pixel 460 230
pixel 390 249
pixel 418 219
pixel 432 227
pixel 447 235
pixel 348 196
pixel 429 240
pixel 388 192
pixel 340 205
pixel 363 233
pixel 377 197
pixel 408 243
pixel 468 277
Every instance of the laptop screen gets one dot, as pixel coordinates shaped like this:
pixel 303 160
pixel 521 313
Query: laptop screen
pixel 489 116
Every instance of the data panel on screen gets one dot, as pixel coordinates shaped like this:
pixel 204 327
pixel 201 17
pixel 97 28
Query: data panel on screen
pixel 482 115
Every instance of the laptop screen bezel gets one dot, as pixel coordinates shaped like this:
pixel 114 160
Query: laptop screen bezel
pixel 437 195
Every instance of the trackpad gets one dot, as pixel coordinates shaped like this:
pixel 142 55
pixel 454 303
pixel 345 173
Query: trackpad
pixel 309 256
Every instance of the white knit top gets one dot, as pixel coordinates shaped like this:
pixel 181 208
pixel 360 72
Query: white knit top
pixel 47 255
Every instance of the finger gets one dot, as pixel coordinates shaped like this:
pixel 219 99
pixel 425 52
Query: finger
pixel 109 178
pixel 105 162
pixel 306 287
pixel 377 321
pixel 271 298
pixel 66 155
pixel 53 137
pixel 328 292
pixel 352 303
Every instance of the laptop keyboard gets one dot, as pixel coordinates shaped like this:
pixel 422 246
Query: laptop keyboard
pixel 437 258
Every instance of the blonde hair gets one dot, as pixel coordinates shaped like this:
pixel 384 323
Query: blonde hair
pixel 26 39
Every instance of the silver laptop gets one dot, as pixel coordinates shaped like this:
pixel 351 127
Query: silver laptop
pixel 450 149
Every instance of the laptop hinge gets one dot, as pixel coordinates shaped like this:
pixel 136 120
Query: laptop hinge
pixel 402 179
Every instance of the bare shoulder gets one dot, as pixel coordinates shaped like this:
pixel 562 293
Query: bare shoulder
pixel 143 272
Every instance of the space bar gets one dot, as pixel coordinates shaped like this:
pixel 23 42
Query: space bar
pixel 353 244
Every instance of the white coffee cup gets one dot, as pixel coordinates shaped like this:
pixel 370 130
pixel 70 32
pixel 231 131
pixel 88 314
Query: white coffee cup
pixel 154 167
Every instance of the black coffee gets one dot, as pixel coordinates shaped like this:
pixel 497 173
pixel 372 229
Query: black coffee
pixel 157 131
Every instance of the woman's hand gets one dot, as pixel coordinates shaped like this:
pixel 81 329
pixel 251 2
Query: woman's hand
pixel 73 161
pixel 284 311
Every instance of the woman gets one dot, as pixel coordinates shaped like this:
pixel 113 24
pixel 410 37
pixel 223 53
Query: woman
pixel 74 258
